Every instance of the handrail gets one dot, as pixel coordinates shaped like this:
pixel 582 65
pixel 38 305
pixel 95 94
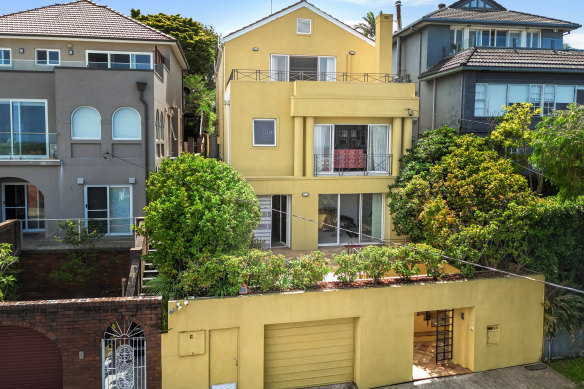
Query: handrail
pixel 355 164
pixel 290 76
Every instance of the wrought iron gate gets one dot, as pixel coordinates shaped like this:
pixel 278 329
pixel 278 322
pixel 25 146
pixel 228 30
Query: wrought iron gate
pixel 444 327
pixel 123 355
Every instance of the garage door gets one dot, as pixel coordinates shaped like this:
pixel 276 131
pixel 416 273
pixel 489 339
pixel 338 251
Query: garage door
pixel 29 360
pixel 300 355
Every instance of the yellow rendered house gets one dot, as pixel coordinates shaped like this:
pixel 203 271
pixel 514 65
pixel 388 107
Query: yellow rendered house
pixel 311 115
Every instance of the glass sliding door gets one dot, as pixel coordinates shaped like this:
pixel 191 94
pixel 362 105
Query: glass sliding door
pixel 108 209
pixel 323 148
pixel 350 218
pixel 24 202
pixel 278 67
pixel 378 149
pixel 327 69
pixel 120 210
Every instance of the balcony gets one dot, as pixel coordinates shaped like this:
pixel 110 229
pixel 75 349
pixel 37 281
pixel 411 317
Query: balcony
pixel 352 163
pixel 31 65
pixel 291 76
pixel 28 146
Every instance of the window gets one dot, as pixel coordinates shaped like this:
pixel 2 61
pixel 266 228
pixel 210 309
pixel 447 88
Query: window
pixel 127 124
pixel 23 128
pixel 5 57
pixel 456 41
pixel 549 99
pixel 517 94
pixel 264 132
pixel 159 134
pixel 108 209
pixel 47 57
pixel 350 218
pixel 85 123
pixel 302 68
pixel 118 60
pixel 477 4
pixel 533 40
pixel 535 96
pixel 304 26
pixel 515 39
pixel 564 96
pixel 481 100
pixel 489 99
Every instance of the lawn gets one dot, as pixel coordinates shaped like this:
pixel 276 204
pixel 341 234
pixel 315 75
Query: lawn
pixel 571 368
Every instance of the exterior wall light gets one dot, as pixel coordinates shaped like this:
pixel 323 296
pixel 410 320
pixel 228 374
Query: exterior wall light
pixel 351 52
pixel 305 194
pixel 410 112
pixel 21 50
pixel 256 49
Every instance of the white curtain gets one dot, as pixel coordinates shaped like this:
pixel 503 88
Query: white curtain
pixel 323 148
pixel 378 148
pixel 279 68
pixel 326 69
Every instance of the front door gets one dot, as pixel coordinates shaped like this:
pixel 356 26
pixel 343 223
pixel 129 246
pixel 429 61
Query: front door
pixel 223 346
pixel 23 202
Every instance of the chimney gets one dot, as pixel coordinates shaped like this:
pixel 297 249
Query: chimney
pixel 383 42
pixel 398 14
pixel 441 5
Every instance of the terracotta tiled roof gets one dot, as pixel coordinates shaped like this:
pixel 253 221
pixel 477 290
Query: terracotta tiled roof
pixel 83 19
pixel 524 59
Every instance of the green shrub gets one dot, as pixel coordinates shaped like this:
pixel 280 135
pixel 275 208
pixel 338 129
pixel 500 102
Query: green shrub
pixel 376 261
pixel 405 264
pixel 7 272
pixel 349 267
pixel 221 276
pixel 266 271
pixel 431 258
pixel 308 270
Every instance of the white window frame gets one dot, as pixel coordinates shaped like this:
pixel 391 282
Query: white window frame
pixel 131 217
pixel 109 58
pixel 10 101
pixel 275 133
pixel 338 226
pixel 140 116
pixel 85 138
pixel 36 57
pixel 274 78
pixel 464 37
pixel 298 20
pixel 528 32
pixel 10 51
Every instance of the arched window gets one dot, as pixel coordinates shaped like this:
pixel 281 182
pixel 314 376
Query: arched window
pixel 127 124
pixel 86 123
pixel 124 356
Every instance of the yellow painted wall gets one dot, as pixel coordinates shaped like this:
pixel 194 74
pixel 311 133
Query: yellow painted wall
pixel 384 327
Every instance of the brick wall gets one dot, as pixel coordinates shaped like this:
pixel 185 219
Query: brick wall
pixel 10 233
pixel 78 325
pixel 106 281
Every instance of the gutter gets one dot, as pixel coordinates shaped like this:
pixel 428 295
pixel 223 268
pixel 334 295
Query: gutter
pixel 497 69
pixel 142 87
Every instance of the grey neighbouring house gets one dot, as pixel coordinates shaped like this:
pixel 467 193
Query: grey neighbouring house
pixel 90 100
pixel 473 57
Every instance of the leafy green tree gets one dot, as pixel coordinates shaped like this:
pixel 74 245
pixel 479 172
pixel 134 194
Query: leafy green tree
pixel 198 42
pixel 7 272
pixel 558 150
pixel 199 209
pixel 367 27
pixel 429 150
pixel 201 100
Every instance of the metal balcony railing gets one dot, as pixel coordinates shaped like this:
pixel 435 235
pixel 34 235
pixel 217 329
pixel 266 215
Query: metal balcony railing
pixel 290 76
pixel 356 164
pixel 28 145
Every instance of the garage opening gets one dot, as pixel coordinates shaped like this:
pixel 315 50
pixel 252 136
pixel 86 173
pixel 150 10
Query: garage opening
pixel 441 345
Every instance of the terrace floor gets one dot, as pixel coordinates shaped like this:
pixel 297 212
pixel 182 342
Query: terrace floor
pixel 425 365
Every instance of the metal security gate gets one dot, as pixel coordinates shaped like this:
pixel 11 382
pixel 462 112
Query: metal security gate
pixel 263 231
pixel 123 355
pixel 444 326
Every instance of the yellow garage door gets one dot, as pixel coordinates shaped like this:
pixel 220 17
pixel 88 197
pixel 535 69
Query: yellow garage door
pixel 300 355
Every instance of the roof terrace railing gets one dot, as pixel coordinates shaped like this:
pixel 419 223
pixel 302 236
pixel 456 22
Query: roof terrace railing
pixel 290 76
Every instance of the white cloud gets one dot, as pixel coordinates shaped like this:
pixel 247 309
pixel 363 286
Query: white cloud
pixel 575 39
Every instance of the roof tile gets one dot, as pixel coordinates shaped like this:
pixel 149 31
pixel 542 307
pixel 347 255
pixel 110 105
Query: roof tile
pixel 82 18
pixel 503 17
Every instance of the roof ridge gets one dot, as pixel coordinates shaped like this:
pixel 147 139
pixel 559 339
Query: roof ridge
pixel 539 16
pixel 43 7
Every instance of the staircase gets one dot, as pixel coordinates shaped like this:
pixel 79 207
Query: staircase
pixel 149 271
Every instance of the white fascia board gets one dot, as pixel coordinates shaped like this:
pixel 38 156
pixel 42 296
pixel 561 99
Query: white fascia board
pixel 280 14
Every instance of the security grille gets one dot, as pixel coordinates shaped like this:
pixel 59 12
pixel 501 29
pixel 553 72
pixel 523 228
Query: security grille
pixel 123 352
pixel 444 325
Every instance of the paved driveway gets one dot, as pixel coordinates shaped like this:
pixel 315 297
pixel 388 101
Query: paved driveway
pixel 512 377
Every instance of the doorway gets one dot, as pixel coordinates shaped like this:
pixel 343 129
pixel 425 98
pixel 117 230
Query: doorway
pixel 274 227
pixel 435 343
pixel 24 202
pixel 223 350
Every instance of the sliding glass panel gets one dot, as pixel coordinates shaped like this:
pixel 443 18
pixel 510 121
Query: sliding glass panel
pixel 371 217
pixel 349 219
pixel 15 202
pixel 515 39
pixel 564 96
pixel 486 35
pixel 141 61
pixel 501 39
pixel 535 96
pixel 35 208
pixel 97 208
pixel 279 68
pixel 29 128
pixel 323 148
pixel 327 217
pixel 378 150
pixel 518 94
pixel 326 69
pixel 496 99
pixel 120 61
pixel 97 60
pixel 53 58
pixel 549 99
pixel 303 68
pixel 5 129
pixel 120 210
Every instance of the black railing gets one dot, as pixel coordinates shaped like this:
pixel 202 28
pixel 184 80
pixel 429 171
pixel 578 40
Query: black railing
pixel 290 76
pixel 352 164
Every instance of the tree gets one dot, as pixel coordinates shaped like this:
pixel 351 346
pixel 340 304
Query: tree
pixel 7 272
pixel 201 100
pixel 558 150
pixel 367 27
pixel 199 209
pixel 429 150
pixel 198 42
pixel 513 137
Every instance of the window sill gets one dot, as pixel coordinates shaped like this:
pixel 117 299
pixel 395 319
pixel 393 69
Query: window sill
pixel 30 162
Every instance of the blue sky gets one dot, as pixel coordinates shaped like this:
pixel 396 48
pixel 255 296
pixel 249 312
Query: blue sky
pixel 229 15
